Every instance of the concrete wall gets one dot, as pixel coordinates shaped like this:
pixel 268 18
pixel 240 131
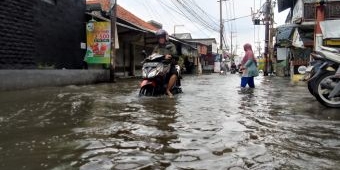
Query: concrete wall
pixel 24 79
pixel 38 34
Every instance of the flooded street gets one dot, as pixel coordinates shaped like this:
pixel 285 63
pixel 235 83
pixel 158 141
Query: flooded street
pixel 209 126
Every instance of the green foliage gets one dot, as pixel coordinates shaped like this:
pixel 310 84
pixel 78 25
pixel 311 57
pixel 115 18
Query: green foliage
pixel 181 61
pixel 46 66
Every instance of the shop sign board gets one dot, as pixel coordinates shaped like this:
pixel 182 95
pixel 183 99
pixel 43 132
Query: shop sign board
pixel 98 42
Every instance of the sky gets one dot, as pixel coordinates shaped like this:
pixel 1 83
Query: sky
pixel 241 30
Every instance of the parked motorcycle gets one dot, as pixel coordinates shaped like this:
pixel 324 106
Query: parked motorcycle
pixel 154 71
pixel 322 82
pixel 312 69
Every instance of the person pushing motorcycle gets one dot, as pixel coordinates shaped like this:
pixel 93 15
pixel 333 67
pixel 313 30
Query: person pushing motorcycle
pixel 168 49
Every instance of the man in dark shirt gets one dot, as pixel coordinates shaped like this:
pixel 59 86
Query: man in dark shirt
pixel 167 49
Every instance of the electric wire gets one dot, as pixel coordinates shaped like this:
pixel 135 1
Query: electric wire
pixel 149 9
pixel 193 15
pixel 167 8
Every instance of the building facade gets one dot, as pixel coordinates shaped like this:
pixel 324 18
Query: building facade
pixel 40 34
pixel 301 34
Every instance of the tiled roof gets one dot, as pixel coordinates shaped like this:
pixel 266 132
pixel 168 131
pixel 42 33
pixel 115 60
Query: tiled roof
pixel 125 15
pixel 105 4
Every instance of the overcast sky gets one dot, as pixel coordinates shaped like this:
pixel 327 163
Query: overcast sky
pixel 165 12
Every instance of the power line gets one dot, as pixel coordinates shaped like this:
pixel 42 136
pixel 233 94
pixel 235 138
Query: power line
pixel 150 10
pixel 214 20
pixel 167 7
pixel 193 14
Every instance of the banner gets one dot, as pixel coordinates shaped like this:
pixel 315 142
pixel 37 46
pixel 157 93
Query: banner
pixel 98 42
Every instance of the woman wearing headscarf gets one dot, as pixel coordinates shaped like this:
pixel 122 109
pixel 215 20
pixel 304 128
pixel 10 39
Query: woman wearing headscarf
pixel 249 67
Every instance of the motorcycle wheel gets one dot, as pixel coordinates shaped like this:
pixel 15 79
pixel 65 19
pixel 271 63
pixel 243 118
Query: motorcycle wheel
pixel 147 91
pixel 321 92
pixel 310 86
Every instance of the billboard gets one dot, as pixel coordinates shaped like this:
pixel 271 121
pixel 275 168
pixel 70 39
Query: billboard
pixel 98 42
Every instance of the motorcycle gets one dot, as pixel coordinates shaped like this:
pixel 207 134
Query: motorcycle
pixel 312 69
pixel 154 72
pixel 322 82
pixel 233 70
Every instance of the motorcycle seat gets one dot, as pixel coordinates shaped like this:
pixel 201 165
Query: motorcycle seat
pixel 330 49
pixel 330 53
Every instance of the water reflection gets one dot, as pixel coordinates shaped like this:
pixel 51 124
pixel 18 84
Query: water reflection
pixel 128 135
pixel 209 126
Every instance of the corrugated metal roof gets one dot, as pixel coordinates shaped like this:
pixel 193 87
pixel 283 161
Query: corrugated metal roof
pixel 182 35
pixel 284 33
pixel 205 41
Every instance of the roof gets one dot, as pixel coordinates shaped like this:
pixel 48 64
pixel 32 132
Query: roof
pixel 317 1
pixel 284 33
pixel 205 41
pixel 105 4
pixel 182 35
pixel 96 15
pixel 124 15
pixel 330 29
pixel 285 4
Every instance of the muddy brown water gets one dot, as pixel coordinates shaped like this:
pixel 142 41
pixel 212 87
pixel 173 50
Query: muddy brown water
pixel 209 126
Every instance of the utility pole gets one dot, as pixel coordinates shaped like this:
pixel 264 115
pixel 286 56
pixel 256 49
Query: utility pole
pixel 266 46
pixel 221 26
pixel 258 47
pixel 320 16
pixel 231 43
pixel 113 18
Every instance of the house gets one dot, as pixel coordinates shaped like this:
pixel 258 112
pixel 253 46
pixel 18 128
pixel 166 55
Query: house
pixel 182 35
pixel 43 44
pixel 39 34
pixel 207 51
pixel 135 35
pixel 298 37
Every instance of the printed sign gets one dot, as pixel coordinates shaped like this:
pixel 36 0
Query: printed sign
pixel 98 42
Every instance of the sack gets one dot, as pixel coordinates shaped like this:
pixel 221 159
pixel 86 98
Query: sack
pixel 256 73
pixel 252 70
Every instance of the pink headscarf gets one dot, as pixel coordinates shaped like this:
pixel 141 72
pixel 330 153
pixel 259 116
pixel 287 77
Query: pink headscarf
pixel 248 53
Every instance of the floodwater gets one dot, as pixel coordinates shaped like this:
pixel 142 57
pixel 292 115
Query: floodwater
pixel 209 126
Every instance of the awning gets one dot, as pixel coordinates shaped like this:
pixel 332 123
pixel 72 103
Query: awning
pixel 284 34
pixel 330 29
pixel 302 38
pixel 118 24
pixel 297 41
pixel 318 1
pixel 285 4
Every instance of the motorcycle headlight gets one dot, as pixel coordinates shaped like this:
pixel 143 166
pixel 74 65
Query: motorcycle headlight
pixel 157 71
pixel 159 68
pixel 143 73
pixel 152 73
